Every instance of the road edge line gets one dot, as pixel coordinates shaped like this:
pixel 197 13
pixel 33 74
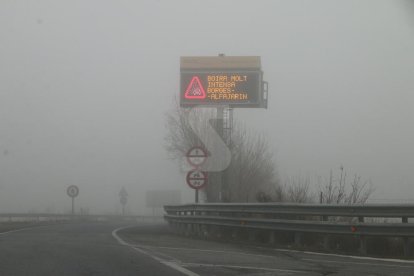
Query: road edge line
pixel 172 265
pixel 21 229
pixel 341 255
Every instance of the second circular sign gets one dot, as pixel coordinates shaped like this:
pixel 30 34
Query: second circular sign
pixel 197 179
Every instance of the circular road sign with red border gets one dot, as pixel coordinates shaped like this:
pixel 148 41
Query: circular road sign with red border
pixel 197 179
pixel 72 191
pixel 196 156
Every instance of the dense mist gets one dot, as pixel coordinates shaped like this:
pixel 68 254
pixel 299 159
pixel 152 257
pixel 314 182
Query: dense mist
pixel 85 86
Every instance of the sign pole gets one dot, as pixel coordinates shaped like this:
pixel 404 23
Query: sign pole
pixel 73 206
pixel 220 131
pixel 196 178
pixel 73 191
pixel 123 196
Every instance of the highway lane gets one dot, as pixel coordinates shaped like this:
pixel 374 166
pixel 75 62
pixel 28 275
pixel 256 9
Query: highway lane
pixel 97 248
pixel 73 249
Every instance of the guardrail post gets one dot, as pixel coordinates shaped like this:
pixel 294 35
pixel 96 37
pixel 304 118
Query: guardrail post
pixel 185 229
pixel 181 228
pixel 209 231
pixel 177 226
pixel 252 235
pixel 360 219
pixel 200 230
pixel 234 233
pixel 406 240
pixel 406 246
pixel 298 239
pixel 326 240
pixel 363 245
pixel 272 237
pixel 196 230
pixel 188 230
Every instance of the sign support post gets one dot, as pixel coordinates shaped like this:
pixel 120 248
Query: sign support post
pixel 123 196
pixel 220 131
pixel 73 192
pixel 73 206
pixel 196 178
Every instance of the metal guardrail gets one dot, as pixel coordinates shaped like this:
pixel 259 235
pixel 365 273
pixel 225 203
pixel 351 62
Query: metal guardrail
pixel 374 210
pixel 199 219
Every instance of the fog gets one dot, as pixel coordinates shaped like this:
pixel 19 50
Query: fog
pixel 85 86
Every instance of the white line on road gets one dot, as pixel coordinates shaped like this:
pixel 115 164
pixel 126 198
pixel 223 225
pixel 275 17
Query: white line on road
pixel 245 267
pixel 356 263
pixel 343 256
pixel 170 264
pixel 209 251
pixel 21 229
pixel 295 251
pixel 212 251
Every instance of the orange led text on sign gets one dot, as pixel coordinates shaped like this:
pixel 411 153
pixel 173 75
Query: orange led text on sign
pixel 223 87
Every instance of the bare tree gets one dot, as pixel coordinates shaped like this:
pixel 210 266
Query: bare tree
pixel 252 170
pixel 297 189
pixel 336 191
pixel 181 135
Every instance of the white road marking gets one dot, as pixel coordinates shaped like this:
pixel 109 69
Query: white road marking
pixel 342 256
pixel 21 229
pixel 271 256
pixel 173 265
pixel 213 251
pixel 284 250
pixel 140 249
pixel 357 263
pixel 244 267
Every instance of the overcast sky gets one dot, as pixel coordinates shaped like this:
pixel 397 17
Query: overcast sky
pixel 85 85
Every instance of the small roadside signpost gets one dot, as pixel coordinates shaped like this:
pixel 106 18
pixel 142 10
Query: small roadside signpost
pixel 196 178
pixel 73 191
pixel 123 198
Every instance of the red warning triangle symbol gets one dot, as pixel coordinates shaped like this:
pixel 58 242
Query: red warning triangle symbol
pixel 195 90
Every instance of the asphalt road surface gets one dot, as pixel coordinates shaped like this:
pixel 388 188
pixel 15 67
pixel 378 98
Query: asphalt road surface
pixel 150 249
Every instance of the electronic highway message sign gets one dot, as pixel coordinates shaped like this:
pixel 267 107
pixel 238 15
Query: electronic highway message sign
pixel 214 81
